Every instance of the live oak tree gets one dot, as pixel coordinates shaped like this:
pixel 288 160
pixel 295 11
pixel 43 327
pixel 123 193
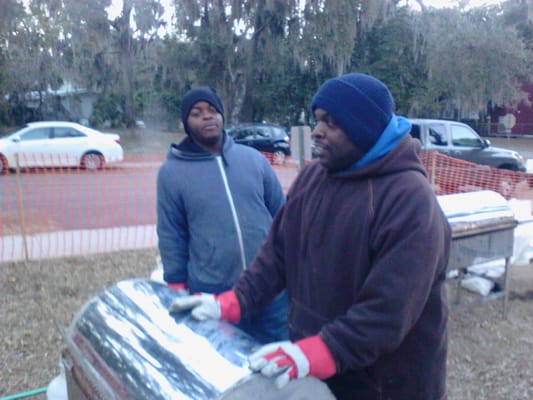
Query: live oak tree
pixel 472 57
pixel 265 57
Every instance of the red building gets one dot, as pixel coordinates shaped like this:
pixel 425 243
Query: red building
pixel 514 121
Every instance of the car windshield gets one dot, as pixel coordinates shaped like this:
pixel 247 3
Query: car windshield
pixel 242 133
pixel 262 133
pixel 279 132
pixel 89 131
pixel 463 136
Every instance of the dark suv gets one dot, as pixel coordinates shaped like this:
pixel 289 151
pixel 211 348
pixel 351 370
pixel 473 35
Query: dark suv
pixel 266 138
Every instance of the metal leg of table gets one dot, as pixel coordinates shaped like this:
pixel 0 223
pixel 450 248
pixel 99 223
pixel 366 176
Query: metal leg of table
pixel 502 292
pixel 506 286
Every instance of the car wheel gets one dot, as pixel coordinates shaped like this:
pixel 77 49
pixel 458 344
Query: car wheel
pixel 92 161
pixel 279 157
pixel 4 167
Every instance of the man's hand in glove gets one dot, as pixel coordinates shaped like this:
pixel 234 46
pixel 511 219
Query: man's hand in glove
pixel 208 306
pixel 287 360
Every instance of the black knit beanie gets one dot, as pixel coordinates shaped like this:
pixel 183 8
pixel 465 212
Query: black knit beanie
pixel 193 96
pixel 360 104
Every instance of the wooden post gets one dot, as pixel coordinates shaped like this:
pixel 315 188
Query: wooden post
pixel 20 199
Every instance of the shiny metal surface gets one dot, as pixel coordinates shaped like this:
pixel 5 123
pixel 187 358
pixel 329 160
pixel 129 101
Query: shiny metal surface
pixel 130 346
pixel 474 213
pixel 124 344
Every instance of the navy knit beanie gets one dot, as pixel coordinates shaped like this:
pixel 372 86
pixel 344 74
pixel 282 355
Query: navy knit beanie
pixel 360 104
pixel 193 96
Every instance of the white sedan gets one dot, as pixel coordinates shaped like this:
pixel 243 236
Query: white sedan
pixel 59 144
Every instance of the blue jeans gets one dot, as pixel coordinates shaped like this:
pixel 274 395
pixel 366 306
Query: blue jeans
pixel 270 323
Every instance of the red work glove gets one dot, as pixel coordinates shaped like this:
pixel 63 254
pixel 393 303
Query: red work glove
pixel 180 288
pixel 287 360
pixel 177 286
pixel 208 306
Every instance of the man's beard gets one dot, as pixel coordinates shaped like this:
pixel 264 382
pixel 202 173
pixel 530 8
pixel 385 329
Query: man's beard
pixel 203 141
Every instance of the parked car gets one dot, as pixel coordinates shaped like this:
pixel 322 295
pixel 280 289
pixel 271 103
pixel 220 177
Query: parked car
pixel 267 138
pixel 459 140
pixel 59 144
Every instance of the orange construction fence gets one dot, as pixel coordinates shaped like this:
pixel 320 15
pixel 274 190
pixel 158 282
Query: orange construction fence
pixel 57 212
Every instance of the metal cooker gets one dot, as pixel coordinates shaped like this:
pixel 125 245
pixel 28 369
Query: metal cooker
pixel 124 344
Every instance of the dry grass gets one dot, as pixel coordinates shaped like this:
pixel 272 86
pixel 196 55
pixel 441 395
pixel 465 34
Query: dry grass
pixel 40 299
pixel 490 358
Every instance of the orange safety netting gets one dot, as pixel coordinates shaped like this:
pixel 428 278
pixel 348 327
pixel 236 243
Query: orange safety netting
pixel 450 175
pixel 51 212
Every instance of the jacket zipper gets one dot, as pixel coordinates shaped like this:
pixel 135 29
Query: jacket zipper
pixel 233 210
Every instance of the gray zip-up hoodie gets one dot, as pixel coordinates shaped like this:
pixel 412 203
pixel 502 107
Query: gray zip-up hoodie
pixel 213 212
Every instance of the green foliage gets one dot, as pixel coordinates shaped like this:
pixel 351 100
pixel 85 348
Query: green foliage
pixel 393 53
pixel 160 108
pixel 107 111
pixel 4 113
pixel 265 58
pixel 485 63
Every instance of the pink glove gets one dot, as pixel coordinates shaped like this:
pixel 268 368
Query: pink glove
pixel 287 360
pixel 207 306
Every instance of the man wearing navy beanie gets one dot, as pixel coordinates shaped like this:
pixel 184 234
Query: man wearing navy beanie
pixel 215 202
pixel 193 96
pixel 361 105
pixel 362 247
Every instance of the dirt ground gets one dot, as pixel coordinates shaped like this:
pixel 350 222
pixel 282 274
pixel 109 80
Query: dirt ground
pixel 490 358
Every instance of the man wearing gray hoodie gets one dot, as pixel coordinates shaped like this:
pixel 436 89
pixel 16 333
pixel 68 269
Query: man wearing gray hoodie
pixel 215 203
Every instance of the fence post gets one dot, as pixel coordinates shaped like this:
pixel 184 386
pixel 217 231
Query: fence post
pixel 20 199
pixel 300 144
pixel 433 170
pixel 301 154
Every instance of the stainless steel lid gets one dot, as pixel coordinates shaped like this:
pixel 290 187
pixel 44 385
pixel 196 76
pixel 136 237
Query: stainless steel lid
pixel 473 213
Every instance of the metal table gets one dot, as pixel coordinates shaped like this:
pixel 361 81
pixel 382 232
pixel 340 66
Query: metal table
pixel 482 230
pixel 124 344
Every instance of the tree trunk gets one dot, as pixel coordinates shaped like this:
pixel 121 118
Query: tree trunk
pixel 247 110
pixel 126 63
